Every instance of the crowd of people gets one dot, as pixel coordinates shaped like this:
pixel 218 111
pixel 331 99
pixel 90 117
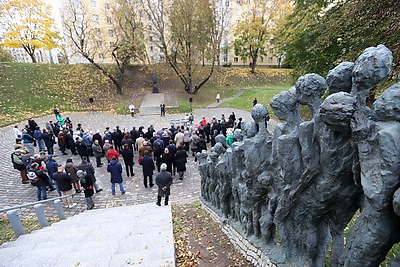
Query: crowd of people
pixel 164 150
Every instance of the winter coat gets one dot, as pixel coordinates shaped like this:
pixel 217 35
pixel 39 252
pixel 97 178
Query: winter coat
pixel 115 168
pixel 61 140
pixel 148 165
pixel 51 167
pixel 168 159
pixel 87 184
pixel 143 148
pixel 112 152
pixel 128 142
pixel 127 154
pixel 71 169
pixel 181 160
pixel 97 150
pixel 63 181
pixel 164 178
pixel 87 167
pixel 43 178
pixel 48 139
pixel 82 149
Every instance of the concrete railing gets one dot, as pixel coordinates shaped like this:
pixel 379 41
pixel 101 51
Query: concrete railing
pixel 15 221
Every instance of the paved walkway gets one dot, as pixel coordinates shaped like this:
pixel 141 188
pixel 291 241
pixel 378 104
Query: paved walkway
pixel 12 192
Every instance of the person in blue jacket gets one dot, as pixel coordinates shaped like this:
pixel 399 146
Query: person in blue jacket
pixel 115 169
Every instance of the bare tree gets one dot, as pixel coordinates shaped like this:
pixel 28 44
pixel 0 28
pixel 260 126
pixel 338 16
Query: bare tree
pixel 123 40
pixel 186 31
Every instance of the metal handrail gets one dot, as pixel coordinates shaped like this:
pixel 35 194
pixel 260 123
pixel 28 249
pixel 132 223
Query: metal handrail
pixel 15 221
pixel 37 202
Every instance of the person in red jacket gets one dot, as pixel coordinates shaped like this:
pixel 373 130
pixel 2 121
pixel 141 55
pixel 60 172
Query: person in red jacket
pixel 112 152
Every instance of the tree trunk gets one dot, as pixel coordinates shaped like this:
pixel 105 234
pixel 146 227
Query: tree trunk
pixel 32 55
pixel 253 65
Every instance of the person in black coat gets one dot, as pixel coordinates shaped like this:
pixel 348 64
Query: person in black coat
pixel 82 149
pixel 180 162
pixel 116 139
pixel 48 142
pixel 87 181
pixel 64 182
pixel 164 182
pixel 148 168
pixel 42 183
pixel 158 151
pixel 127 154
pixel 70 143
pixel 168 158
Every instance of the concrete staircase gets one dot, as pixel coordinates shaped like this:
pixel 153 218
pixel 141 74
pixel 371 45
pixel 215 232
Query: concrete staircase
pixel 130 235
pixel 151 104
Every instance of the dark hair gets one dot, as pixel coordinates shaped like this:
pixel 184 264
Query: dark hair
pixel 84 158
pixel 34 165
pixel 69 160
pixel 113 158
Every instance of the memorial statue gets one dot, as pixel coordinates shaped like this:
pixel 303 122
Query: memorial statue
pixel 308 180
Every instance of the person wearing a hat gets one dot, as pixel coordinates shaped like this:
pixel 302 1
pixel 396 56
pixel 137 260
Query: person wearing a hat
pixel 164 182
pixel 87 186
pixel 64 182
pixel 19 164
pixel 88 168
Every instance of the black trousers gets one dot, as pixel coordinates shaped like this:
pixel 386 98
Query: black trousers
pixel 129 168
pixel 150 180
pixel 98 161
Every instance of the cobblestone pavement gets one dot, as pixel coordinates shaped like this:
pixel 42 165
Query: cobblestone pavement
pixel 13 193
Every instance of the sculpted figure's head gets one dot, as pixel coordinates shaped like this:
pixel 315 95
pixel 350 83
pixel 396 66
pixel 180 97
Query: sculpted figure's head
pixel 387 106
pixel 249 128
pixel 337 110
pixel 219 148
pixel 221 139
pixel 238 135
pixel 371 67
pixel 284 103
pixel 259 113
pixel 309 88
pixel 339 79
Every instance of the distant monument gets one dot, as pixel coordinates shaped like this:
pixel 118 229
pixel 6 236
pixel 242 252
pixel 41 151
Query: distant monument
pixel 155 86
pixel 292 193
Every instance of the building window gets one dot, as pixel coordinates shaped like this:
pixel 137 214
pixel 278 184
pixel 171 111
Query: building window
pixel 95 17
pixel 151 48
pixel 271 51
pixel 94 4
pixel 236 59
pixel 261 59
pixel 109 21
pixel 150 38
pixel 99 43
pixel 238 2
pixel 226 2
pixel 107 7
pixel 101 56
pixel 225 59
pixel 270 59
pixel 110 33
pixel 97 31
pixel 237 22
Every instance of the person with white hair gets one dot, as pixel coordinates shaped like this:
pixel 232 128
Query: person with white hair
pixel 164 182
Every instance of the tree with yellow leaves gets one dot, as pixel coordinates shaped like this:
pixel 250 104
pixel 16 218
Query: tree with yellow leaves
pixel 255 30
pixel 27 24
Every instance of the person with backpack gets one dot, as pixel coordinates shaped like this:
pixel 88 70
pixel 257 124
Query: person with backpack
pixel 41 182
pixel 87 181
pixel 18 164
